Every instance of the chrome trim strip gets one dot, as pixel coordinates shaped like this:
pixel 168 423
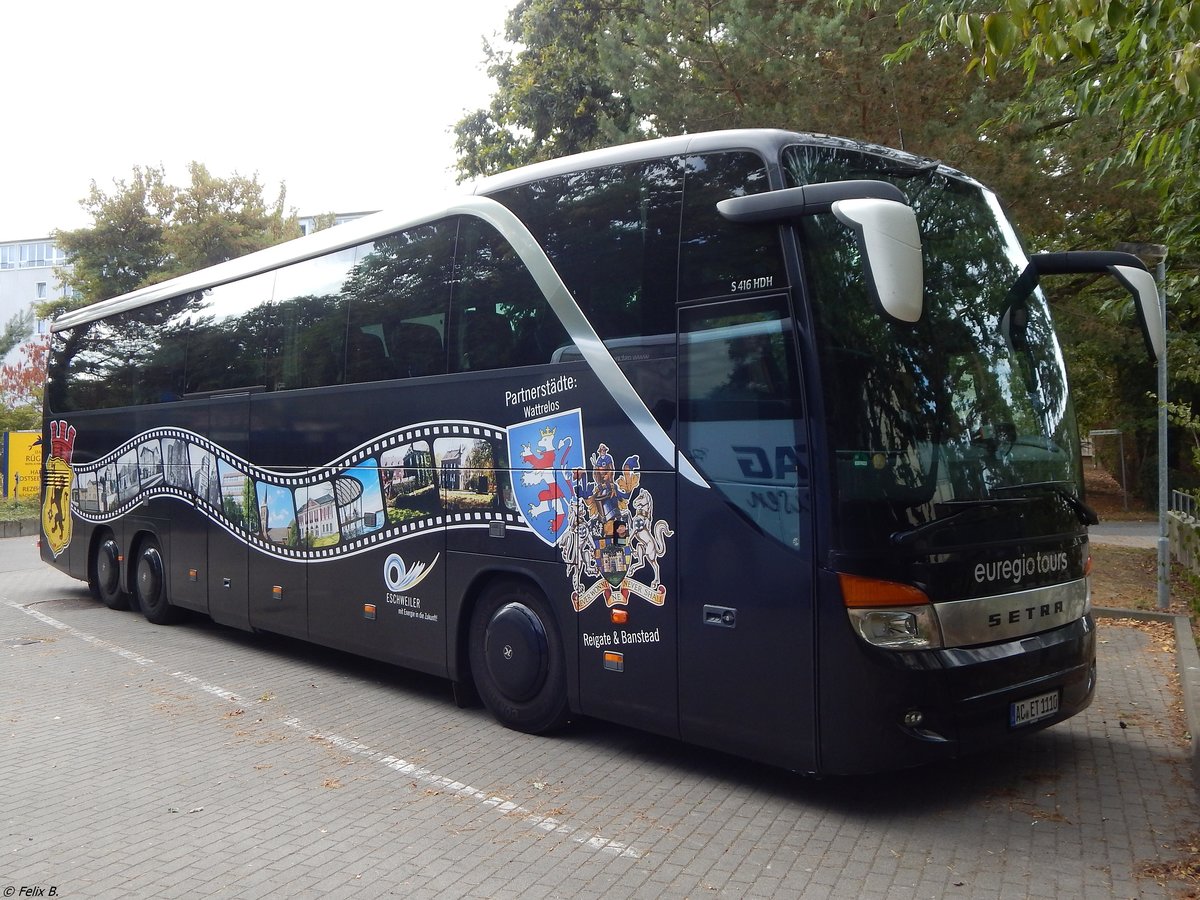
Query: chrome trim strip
pixel 1001 617
pixel 579 329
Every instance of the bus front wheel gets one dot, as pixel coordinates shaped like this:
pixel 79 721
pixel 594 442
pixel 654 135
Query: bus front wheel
pixel 517 659
pixel 105 574
pixel 150 585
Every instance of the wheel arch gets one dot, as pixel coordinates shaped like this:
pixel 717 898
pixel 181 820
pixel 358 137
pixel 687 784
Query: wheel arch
pixel 99 532
pixel 540 577
pixel 117 596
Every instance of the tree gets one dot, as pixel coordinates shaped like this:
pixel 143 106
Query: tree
pixel 22 385
pixel 596 72
pixel 1104 61
pixel 553 96
pixel 252 522
pixel 215 219
pixel 16 330
pixel 147 230
pixel 324 221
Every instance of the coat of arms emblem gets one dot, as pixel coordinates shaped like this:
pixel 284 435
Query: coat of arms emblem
pixel 601 518
pixel 59 479
pixel 540 453
pixel 613 534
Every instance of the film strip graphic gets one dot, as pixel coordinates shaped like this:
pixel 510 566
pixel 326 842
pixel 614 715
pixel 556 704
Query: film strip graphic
pixel 336 510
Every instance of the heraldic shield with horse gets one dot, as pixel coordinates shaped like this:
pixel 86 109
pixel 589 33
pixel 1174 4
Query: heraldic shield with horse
pixel 601 519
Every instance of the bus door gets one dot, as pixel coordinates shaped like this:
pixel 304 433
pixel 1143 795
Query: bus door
pixel 746 620
pixel 230 489
pixel 624 587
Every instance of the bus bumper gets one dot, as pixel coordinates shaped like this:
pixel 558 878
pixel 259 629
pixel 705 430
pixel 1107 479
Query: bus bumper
pixel 940 705
pixel 989 683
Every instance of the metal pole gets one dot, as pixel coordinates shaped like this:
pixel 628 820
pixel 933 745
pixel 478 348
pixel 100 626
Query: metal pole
pixel 1164 544
pixel 1125 484
pixel 1156 255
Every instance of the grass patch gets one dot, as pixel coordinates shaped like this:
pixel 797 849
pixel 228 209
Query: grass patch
pixel 15 510
pixel 1127 578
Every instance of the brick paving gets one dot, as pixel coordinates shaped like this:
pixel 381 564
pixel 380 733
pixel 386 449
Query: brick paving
pixel 196 761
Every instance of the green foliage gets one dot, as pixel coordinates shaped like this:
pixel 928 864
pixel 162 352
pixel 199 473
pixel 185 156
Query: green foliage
pixel 693 65
pixel 124 246
pixel 22 385
pixel 1136 64
pixel 1052 126
pixel 147 230
pixel 16 510
pixel 16 330
pixel 21 418
pixel 215 219
pixel 324 221
pixel 553 96
pixel 252 523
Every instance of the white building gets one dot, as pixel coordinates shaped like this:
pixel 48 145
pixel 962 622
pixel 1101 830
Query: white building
pixel 28 277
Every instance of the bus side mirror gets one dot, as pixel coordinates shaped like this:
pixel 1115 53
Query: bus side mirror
pixel 1140 283
pixel 891 251
pixel 1126 268
pixel 883 223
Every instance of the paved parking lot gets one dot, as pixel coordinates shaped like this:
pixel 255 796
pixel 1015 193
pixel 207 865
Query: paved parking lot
pixel 194 760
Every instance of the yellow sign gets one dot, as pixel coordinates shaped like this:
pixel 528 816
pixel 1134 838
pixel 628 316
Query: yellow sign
pixel 22 464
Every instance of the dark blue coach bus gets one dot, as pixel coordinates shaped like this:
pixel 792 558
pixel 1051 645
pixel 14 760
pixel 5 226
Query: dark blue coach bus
pixel 757 439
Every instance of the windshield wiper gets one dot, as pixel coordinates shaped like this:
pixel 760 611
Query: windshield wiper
pixel 975 511
pixel 1083 512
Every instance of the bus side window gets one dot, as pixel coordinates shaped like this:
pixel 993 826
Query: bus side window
pixel 741 409
pixel 366 357
pixel 417 349
pixel 167 330
pixel 494 297
pixel 718 256
pixel 612 234
pixel 487 340
pixel 228 342
pixel 86 371
pixel 310 311
pixel 397 295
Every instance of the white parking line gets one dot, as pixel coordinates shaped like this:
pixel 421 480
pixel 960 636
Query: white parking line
pixel 409 770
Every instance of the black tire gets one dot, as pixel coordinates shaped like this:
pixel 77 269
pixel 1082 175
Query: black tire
pixel 517 659
pixel 150 585
pixel 104 573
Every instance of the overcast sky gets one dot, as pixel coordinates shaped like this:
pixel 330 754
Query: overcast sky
pixel 351 103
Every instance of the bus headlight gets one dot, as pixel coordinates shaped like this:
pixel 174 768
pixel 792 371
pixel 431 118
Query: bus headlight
pixel 904 628
pixel 890 614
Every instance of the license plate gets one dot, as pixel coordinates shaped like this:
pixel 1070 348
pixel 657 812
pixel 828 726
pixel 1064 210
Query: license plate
pixel 1033 709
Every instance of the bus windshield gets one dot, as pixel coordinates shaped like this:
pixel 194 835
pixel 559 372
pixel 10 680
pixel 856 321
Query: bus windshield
pixel 965 410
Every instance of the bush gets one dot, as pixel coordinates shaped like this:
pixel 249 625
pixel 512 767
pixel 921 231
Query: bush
pixel 14 510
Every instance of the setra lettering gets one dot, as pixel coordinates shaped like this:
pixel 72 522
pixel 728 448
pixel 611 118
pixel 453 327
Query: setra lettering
pixel 1026 614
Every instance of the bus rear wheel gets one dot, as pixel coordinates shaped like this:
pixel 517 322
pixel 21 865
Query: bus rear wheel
pixel 517 659
pixel 105 574
pixel 150 585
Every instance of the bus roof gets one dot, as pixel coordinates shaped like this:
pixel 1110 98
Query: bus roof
pixel 767 141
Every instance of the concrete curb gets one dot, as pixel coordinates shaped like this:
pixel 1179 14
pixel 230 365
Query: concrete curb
pixel 19 528
pixel 1187 661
